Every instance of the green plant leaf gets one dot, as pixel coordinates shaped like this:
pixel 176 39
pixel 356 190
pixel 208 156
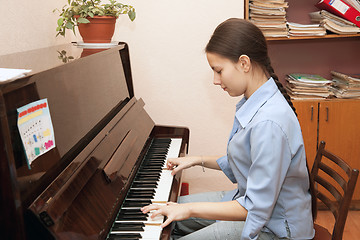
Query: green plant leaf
pixel 82 20
pixel 69 25
pixel 132 15
pixel 60 21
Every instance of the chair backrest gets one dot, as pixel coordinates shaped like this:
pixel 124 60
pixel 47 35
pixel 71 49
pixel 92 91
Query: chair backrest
pixel 337 178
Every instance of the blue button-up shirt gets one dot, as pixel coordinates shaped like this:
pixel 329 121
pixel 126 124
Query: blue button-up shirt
pixel 266 158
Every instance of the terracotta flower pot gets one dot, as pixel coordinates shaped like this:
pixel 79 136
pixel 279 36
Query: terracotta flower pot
pixel 99 30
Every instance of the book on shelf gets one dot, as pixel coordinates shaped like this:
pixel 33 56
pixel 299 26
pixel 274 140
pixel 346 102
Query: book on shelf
pixel 334 23
pixel 346 77
pixel 309 78
pixel 297 29
pixel 345 85
pixel 333 27
pixel 269 16
pixel 341 9
pixel 300 85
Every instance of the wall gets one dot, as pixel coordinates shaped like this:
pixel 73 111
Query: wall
pixel 170 70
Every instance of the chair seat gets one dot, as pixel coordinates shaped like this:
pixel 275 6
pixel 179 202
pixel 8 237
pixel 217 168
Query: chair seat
pixel 321 233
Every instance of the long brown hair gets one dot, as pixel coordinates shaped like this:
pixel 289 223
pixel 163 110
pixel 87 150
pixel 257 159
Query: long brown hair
pixel 235 37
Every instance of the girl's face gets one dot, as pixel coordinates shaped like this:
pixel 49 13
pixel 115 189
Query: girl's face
pixel 229 75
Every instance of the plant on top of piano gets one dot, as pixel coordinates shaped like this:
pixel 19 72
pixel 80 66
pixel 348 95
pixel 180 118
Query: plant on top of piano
pixel 81 12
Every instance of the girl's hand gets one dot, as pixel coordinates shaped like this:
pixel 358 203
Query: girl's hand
pixel 173 212
pixel 178 164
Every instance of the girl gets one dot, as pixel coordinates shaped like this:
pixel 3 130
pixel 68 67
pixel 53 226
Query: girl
pixel 265 153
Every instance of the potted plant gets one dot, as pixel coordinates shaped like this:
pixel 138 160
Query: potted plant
pixel 95 20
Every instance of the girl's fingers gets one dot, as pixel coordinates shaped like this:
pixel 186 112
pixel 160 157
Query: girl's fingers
pixel 171 164
pixel 149 208
pixel 167 222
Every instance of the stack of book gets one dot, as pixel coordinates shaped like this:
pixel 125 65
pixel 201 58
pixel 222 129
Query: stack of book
pixel 334 23
pixel 269 16
pixel 300 86
pixel 345 85
pixel 297 29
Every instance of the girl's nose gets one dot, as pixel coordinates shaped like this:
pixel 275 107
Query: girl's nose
pixel 217 80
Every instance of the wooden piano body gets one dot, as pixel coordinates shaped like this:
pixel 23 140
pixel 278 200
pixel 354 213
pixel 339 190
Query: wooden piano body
pixel 101 130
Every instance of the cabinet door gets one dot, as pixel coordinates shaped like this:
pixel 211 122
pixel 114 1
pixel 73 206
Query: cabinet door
pixel 339 127
pixel 308 118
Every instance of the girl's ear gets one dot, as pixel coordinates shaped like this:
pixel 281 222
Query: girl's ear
pixel 244 62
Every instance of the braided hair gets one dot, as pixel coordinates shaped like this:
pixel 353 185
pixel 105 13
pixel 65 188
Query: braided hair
pixel 235 37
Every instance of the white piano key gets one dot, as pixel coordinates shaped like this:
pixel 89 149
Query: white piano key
pixel 150 232
pixel 163 189
pixel 164 184
pixel 174 148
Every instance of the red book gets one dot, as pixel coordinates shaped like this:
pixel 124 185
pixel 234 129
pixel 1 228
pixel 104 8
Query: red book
pixel 340 9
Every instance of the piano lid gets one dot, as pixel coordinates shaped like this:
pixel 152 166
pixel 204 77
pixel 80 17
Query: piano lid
pixel 73 86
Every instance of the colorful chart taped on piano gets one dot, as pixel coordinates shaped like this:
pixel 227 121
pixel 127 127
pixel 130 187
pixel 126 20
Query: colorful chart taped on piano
pixel 36 129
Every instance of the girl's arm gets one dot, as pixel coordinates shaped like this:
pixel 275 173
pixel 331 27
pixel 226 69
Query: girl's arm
pixel 178 164
pixel 227 211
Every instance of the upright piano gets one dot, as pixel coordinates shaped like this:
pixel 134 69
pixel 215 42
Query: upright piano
pixel 108 156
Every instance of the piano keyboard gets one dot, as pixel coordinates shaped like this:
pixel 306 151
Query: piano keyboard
pixel 152 184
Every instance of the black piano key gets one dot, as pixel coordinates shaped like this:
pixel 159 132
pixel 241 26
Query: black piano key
pixel 124 236
pixel 137 203
pixel 151 168
pixel 146 179
pixel 131 224
pixel 141 196
pixel 132 217
pixel 152 165
pixel 144 184
pixel 148 174
pixel 130 211
pixel 152 179
pixel 135 226
pixel 147 191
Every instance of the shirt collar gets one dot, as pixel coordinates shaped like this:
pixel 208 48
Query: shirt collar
pixel 247 108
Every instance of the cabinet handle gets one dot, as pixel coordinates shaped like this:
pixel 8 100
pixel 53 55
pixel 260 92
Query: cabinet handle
pixel 312 113
pixel 327 114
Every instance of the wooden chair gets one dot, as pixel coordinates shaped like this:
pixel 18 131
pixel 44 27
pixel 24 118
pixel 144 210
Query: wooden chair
pixel 339 181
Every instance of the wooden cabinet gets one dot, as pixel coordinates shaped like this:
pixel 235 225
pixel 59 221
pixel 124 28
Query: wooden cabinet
pixel 308 117
pixel 336 121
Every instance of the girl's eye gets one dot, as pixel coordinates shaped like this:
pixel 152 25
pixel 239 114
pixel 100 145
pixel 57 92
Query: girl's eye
pixel 219 72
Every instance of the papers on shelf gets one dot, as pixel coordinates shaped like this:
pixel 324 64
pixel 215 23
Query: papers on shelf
pixel 10 74
pixel 345 85
pixel 297 29
pixel 304 86
pixel 270 17
pixel 307 86
pixel 309 78
pixel 334 23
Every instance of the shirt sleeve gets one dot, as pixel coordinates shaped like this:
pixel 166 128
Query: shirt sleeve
pixel 225 167
pixel 271 157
